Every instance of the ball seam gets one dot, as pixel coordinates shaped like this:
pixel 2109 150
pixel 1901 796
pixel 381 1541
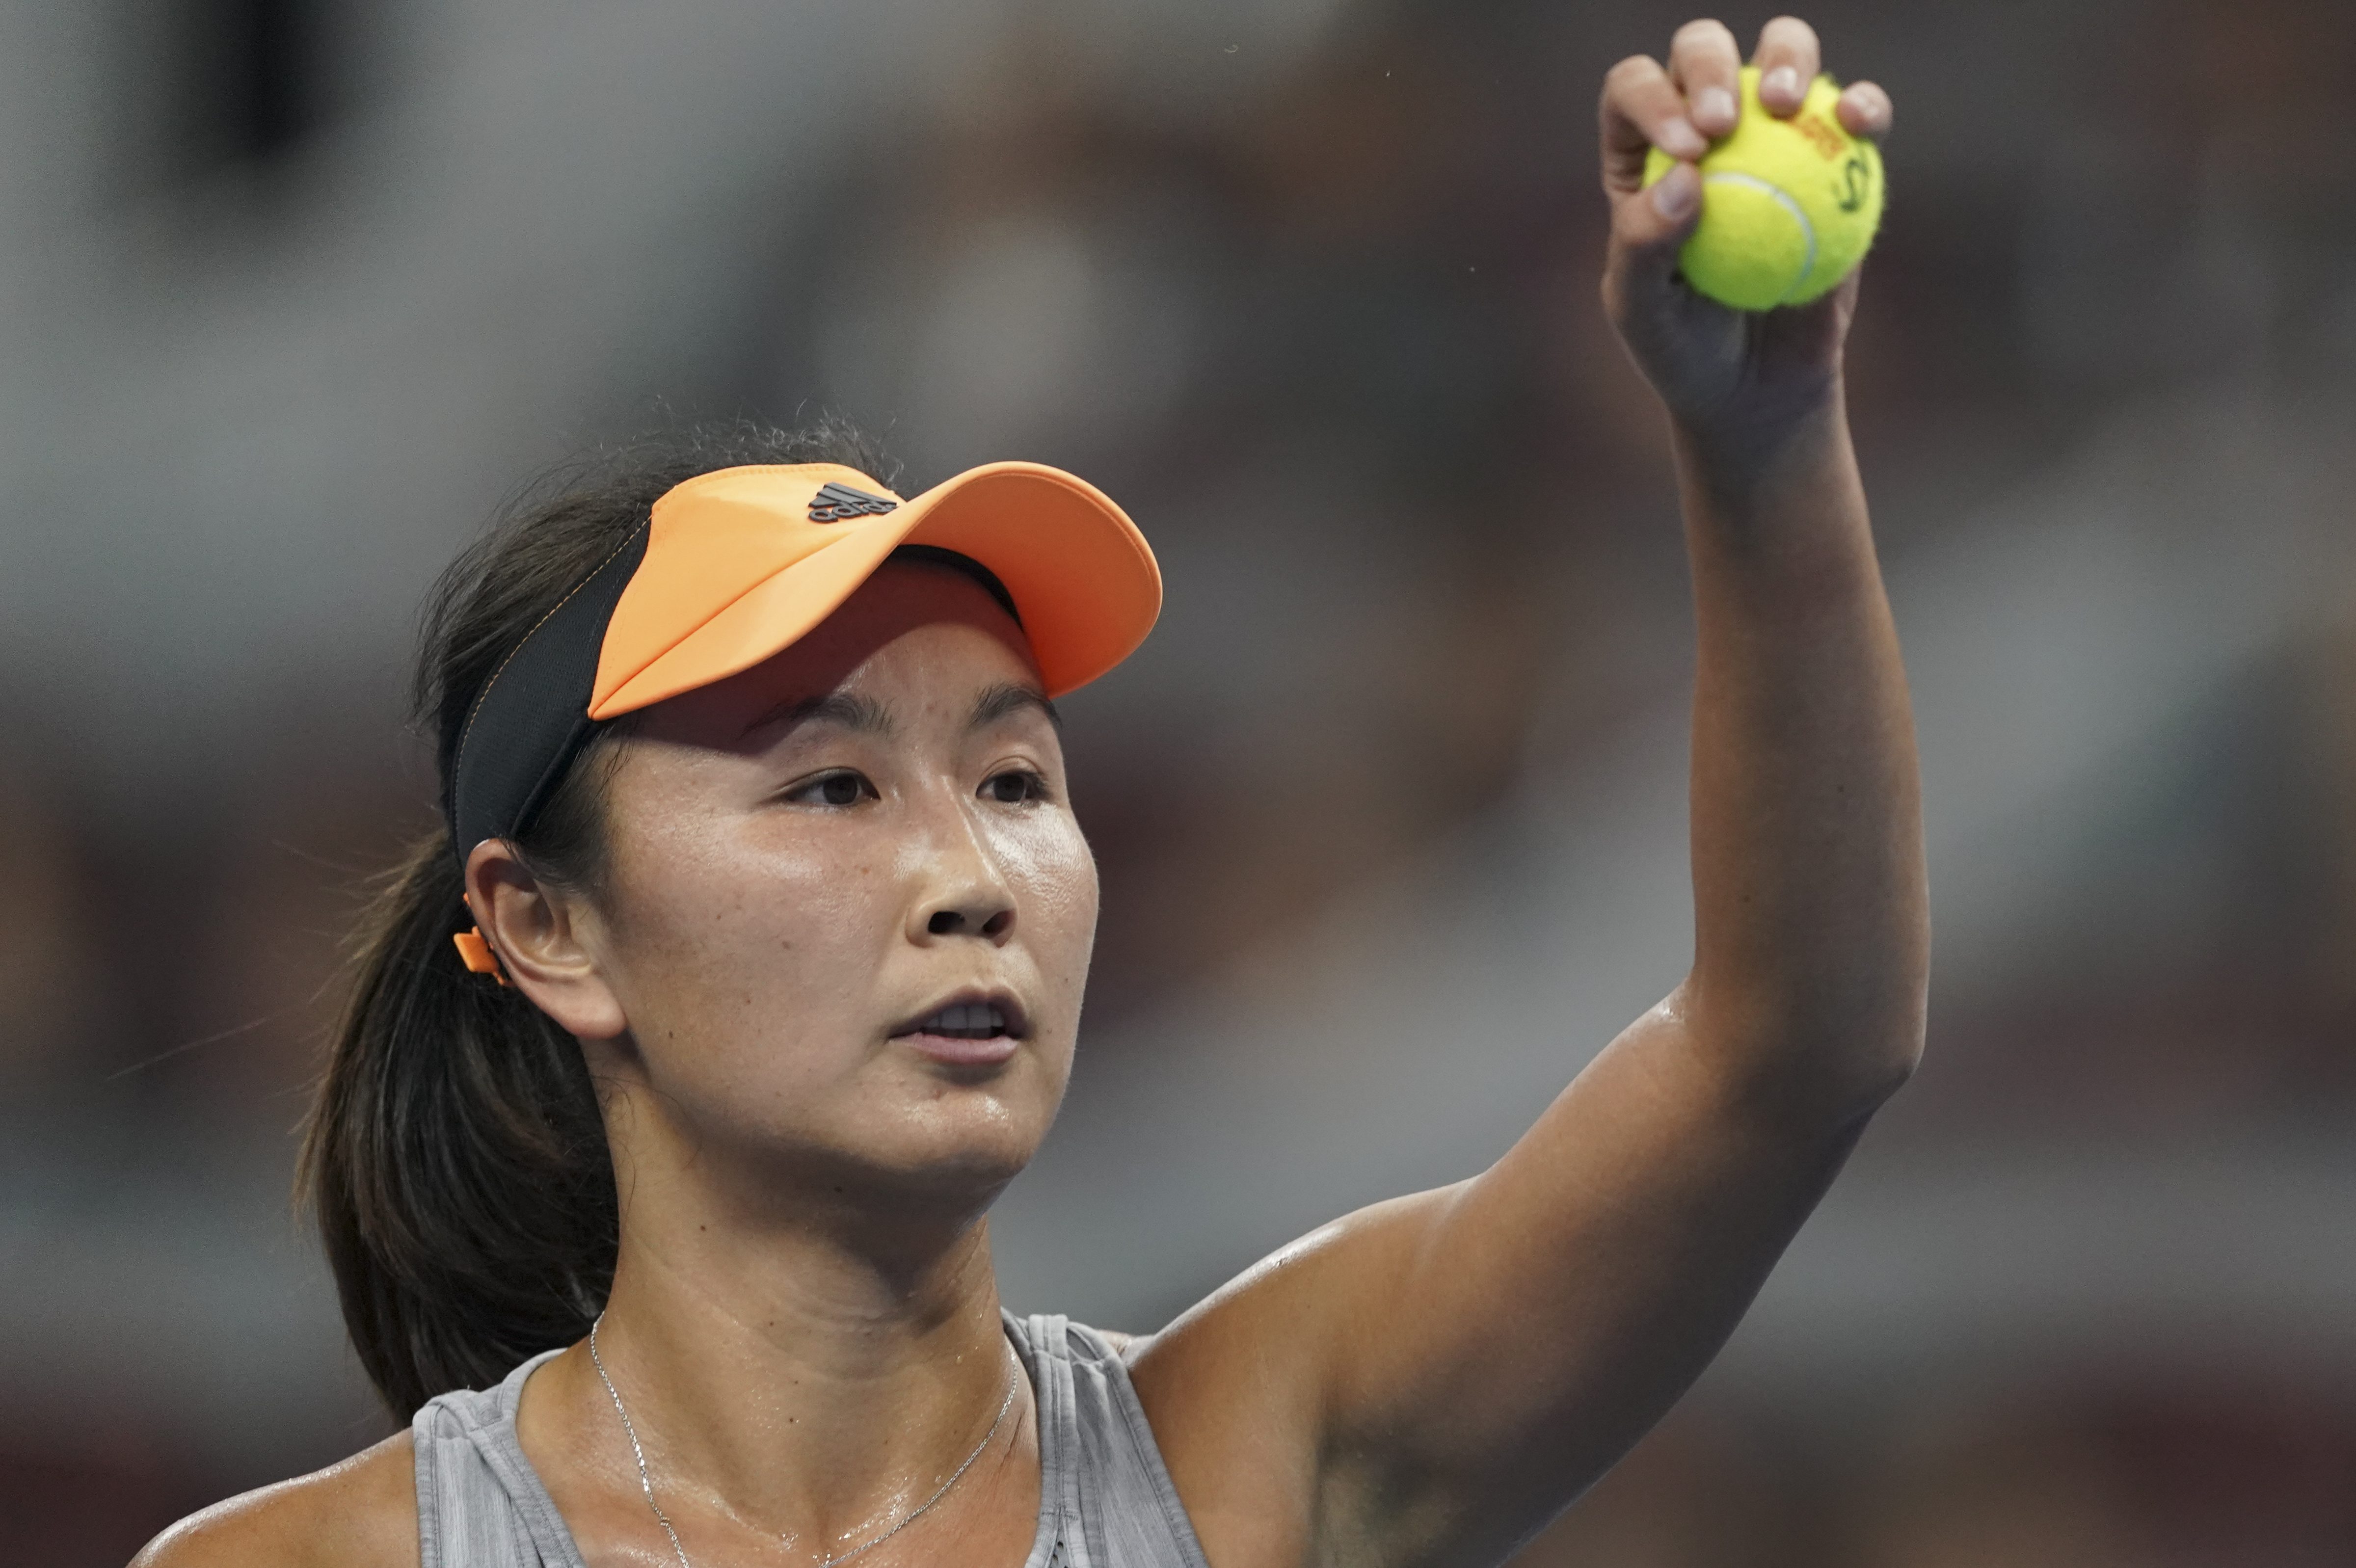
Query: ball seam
pixel 1799 216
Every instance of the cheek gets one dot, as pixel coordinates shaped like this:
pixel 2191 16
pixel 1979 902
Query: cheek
pixel 1055 877
pixel 724 921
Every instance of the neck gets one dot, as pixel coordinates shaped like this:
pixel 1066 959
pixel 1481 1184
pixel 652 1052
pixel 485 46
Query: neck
pixel 783 1379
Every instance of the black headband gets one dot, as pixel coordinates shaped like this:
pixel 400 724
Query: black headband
pixel 532 717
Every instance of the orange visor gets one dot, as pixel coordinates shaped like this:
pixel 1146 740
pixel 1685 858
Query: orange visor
pixel 742 562
pixel 735 565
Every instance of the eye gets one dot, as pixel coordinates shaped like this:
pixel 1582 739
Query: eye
pixel 1014 786
pixel 840 787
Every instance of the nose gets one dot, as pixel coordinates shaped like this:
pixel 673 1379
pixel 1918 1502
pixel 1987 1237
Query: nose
pixel 966 892
pixel 982 917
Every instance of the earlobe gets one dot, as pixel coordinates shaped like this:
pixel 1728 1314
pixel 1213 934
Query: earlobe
pixel 535 934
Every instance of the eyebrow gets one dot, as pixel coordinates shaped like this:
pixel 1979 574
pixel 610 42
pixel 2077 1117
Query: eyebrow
pixel 867 716
pixel 1009 697
pixel 864 714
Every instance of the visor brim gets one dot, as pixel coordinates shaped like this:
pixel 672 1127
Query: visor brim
pixel 1084 581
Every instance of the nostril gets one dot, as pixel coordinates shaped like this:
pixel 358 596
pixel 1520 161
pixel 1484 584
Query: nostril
pixel 945 923
pixel 996 926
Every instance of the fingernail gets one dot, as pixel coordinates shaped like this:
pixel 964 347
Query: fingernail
pixel 1782 82
pixel 1715 103
pixel 1680 140
pixel 1675 193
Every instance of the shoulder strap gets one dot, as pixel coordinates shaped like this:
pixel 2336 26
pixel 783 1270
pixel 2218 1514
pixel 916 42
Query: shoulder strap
pixel 478 1503
pixel 1040 1341
pixel 1125 1510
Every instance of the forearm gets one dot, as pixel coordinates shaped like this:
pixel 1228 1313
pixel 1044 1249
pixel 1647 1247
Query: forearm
pixel 1811 924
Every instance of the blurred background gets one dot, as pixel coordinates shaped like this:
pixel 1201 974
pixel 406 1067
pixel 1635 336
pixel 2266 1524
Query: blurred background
pixel 1390 809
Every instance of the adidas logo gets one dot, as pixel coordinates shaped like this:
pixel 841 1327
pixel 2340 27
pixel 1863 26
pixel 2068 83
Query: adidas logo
pixel 836 503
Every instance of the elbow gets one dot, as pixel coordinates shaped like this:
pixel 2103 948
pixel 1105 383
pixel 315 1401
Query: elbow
pixel 1883 1071
pixel 1842 1078
pixel 1832 1084
pixel 1874 1052
pixel 1820 1059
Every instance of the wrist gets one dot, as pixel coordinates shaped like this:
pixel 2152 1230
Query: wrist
pixel 1748 452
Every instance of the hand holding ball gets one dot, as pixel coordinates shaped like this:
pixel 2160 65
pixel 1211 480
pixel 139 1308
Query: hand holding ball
pixel 1788 206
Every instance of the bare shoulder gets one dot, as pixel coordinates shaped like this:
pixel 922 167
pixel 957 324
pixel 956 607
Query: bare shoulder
pixel 1322 1292
pixel 361 1512
pixel 1237 1390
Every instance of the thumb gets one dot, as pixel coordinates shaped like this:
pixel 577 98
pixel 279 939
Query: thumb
pixel 1649 227
pixel 1675 336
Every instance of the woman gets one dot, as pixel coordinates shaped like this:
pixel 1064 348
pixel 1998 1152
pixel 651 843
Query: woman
pixel 771 921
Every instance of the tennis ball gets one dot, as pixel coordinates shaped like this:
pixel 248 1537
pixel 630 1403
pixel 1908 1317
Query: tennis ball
pixel 1787 206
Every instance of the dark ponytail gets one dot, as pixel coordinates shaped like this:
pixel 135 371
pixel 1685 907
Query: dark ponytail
pixel 456 1157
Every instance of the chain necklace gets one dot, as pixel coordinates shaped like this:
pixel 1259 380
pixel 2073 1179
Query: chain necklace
pixel 647 1486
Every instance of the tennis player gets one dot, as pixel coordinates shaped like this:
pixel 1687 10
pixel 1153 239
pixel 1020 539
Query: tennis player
pixel 656 1152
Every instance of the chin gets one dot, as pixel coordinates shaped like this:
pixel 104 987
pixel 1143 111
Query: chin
pixel 944 1150
pixel 959 1157
pixel 961 1124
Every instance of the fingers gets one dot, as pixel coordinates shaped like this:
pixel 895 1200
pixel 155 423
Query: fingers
pixel 1642 109
pixel 1706 64
pixel 1646 106
pixel 1664 218
pixel 1865 110
pixel 1789 57
pixel 1680 108
pixel 1640 273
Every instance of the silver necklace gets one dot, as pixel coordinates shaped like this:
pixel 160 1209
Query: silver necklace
pixel 647 1486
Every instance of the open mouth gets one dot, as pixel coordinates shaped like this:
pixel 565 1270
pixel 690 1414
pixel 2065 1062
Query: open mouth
pixel 967 1020
pixel 972 1016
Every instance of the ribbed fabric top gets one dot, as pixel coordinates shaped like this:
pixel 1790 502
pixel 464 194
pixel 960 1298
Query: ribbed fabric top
pixel 1105 1497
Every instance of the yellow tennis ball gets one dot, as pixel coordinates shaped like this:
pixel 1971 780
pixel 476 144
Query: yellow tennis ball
pixel 1787 206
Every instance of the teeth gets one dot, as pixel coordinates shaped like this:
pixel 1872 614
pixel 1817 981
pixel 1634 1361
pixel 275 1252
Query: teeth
pixel 972 1019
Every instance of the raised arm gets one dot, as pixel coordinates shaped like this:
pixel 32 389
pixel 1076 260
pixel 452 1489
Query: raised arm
pixel 1431 1379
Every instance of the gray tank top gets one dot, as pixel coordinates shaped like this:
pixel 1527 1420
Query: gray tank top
pixel 1105 1499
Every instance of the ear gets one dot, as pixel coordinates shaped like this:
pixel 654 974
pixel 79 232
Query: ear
pixel 536 932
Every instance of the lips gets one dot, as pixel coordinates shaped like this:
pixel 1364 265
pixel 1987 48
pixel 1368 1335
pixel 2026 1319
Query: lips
pixel 967 1020
pixel 971 1027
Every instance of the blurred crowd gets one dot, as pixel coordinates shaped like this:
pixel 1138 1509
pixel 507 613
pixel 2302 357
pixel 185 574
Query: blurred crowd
pixel 296 290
